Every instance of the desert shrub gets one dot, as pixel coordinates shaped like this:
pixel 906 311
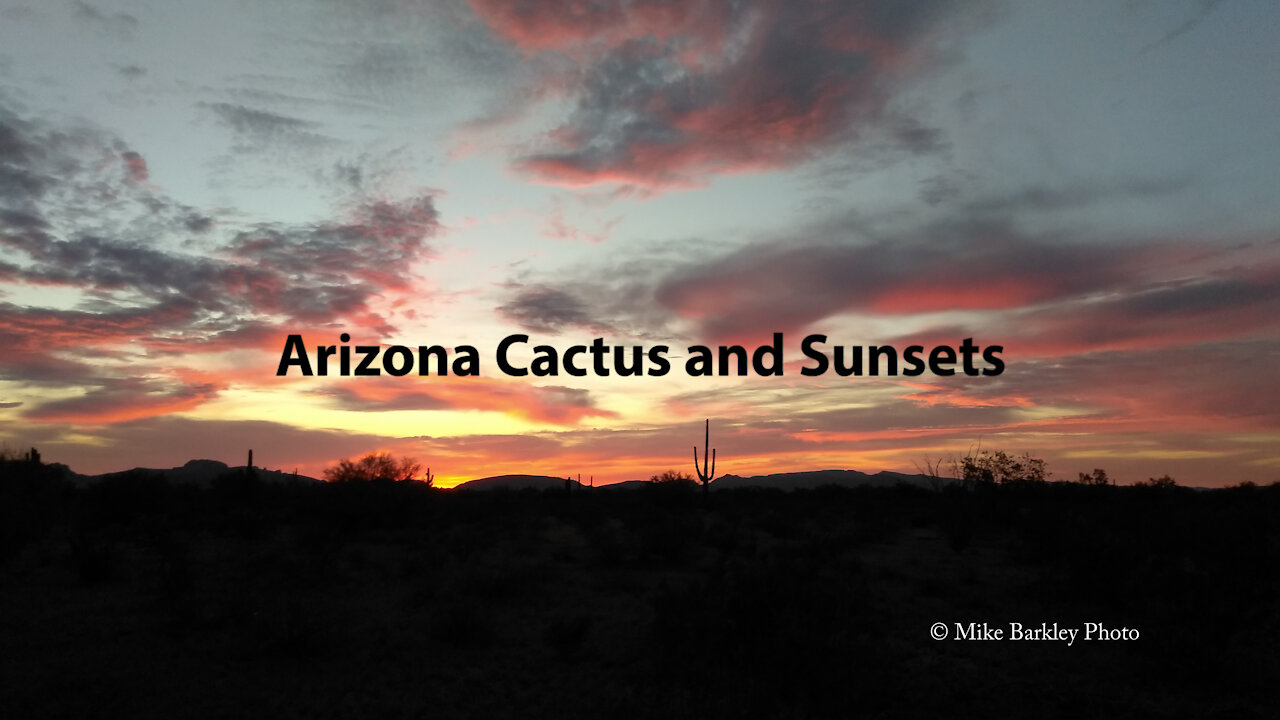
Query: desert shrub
pixel 373 467
pixel 671 476
pixel 1097 477
pixel 996 467
pixel 1163 482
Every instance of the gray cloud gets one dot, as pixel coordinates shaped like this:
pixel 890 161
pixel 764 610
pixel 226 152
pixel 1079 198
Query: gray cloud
pixel 546 309
pixel 666 93
pixel 121 24
pixel 1201 11
pixel 791 282
pixel 76 215
pixel 348 399
pixel 118 399
pixel 258 122
pixel 258 129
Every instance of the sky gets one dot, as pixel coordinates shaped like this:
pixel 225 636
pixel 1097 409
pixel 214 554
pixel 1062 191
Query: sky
pixel 1092 186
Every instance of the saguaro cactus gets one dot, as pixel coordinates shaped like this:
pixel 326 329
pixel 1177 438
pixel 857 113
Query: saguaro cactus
pixel 703 476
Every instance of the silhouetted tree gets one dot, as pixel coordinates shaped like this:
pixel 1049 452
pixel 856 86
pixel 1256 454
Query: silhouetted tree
pixel 671 486
pixel 1099 477
pixel 1160 482
pixel 376 466
pixel 932 470
pixel 998 467
pixel 671 476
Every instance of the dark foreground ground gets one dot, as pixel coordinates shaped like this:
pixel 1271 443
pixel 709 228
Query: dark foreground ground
pixel 135 599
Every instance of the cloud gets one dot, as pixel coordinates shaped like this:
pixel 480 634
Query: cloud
pixel 543 404
pixel 1042 295
pixel 309 274
pixel 1230 304
pixel 1226 385
pixel 794 281
pixel 1047 198
pixel 374 247
pixel 20 183
pixel 121 24
pixel 362 400
pixel 137 166
pixel 557 227
pixel 666 93
pixel 260 123
pixel 149 277
pixel 546 309
pixel 776 287
pixel 302 271
pixel 123 400
pixel 1202 10
pixel 33 330
pixel 256 129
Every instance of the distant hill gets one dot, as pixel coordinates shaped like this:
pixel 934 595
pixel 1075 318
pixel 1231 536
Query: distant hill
pixel 514 482
pixel 195 472
pixel 800 480
pixel 625 485
pixel 819 478
pixel 202 472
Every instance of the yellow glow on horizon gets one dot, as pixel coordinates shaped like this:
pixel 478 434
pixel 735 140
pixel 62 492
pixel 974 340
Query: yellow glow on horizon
pixel 314 413
pixel 79 438
pixel 1153 454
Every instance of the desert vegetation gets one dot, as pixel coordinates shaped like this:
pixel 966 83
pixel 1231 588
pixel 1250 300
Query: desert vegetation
pixel 137 598
pixel 377 467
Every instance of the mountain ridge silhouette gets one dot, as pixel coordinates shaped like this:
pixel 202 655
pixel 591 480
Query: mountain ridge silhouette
pixel 201 472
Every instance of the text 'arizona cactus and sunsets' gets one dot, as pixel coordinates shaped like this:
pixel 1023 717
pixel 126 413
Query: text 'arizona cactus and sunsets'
pixel 602 359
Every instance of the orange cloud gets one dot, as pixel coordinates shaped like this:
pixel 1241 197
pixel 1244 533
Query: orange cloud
pixel 121 402
pixel 549 404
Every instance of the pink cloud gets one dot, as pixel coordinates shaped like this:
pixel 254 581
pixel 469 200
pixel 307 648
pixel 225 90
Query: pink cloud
pixel 136 166
pixel 668 93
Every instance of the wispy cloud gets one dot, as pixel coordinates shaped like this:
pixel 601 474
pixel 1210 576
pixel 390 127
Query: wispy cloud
pixel 137 287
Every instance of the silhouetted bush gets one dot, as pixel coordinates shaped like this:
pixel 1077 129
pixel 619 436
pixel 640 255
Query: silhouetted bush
pixel 374 467
pixel 988 467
